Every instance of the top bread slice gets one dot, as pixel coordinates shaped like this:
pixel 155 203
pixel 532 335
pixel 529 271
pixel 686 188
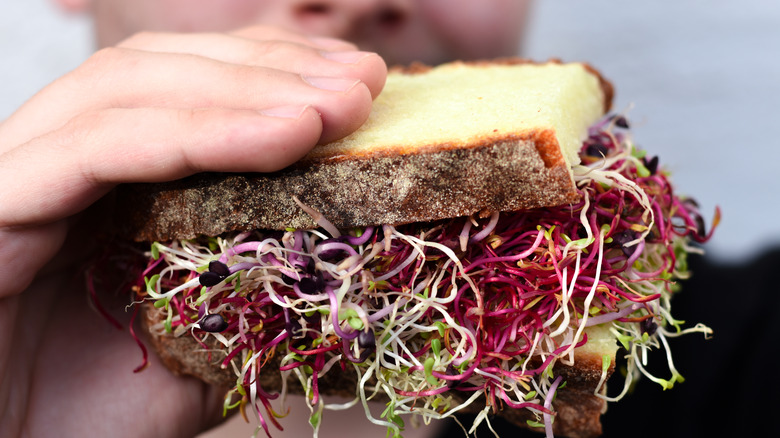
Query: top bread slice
pixel 453 140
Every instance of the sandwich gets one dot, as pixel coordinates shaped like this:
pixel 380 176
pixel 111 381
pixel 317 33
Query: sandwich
pixel 490 241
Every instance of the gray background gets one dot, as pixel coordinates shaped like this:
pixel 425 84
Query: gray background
pixel 700 77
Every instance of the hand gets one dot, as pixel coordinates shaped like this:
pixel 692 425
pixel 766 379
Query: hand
pixel 157 107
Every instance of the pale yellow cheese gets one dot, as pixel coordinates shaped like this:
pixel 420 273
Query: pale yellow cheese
pixel 458 103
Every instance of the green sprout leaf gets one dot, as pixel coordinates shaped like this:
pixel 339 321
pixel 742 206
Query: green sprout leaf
pixel 355 322
pixel 638 153
pixel 155 250
pixel 436 346
pixel 428 367
pixel 314 419
pixel 169 323
pixel 625 341
pixel 150 284
pixel 441 327
pixel 642 171
pixel 606 361
pixel 582 243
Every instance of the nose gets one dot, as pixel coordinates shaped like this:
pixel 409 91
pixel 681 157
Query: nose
pixel 344 18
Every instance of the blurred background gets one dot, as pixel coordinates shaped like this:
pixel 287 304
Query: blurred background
pixel 700 81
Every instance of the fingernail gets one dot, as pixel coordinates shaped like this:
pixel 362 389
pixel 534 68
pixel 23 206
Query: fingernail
pixel 331 83
pixel 346 57
pixel 287 111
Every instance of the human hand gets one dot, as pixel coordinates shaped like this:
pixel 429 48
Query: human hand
pixel 157 107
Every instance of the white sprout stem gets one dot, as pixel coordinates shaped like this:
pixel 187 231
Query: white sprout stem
pixel 585 224
pixel 698 328
pixel 669 361
pixel 626 383
pixel 463 237
pixel 318 218
pixel 481 416
pixel 491 225
pixel 171 293
pixel 548 405
pixel 412 257
pixel 566 294
pixel 452 411
pixel 363 378
pixel 424 300
pixel 531 352
pixel 449 254
pixel 589 298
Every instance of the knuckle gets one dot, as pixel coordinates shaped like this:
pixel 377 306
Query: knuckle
pixel 102 60
pixel 80 129
pixel 79 140
pixel 102 71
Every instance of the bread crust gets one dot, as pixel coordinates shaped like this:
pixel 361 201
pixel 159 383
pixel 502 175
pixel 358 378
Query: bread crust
pixel 437 182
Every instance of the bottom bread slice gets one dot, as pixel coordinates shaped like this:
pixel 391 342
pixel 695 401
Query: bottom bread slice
pixel 578 409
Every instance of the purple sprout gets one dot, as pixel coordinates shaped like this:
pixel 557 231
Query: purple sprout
pixel 514 264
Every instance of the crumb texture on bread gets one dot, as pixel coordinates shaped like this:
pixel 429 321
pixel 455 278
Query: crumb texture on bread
pixel 454 140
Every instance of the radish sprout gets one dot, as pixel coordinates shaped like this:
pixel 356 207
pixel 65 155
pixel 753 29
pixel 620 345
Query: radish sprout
pixel 481 308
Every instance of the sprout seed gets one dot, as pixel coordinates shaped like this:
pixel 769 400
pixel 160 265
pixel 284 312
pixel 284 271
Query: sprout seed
pixel 622 238
pixel 219 268
pixel 366 339
pixel 209 279
pixel 621 122
pixel 597 150
pixel 651 164
pixel 293 328
pixel 213 323
pixel 648 326
pixel 311 286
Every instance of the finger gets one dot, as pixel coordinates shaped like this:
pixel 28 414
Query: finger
pixel 132 79
pixel 86 158
pixel 143 79
pixel 185 81
pixel 24 251
pixel 293 56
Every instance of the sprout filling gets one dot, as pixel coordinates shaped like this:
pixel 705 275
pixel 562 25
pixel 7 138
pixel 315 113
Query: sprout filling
pixel 439 316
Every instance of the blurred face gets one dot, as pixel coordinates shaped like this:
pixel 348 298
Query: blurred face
pixel 401 31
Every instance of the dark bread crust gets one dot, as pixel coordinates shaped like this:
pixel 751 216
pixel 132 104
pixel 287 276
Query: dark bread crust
pixel 578 410
pixel 436 182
